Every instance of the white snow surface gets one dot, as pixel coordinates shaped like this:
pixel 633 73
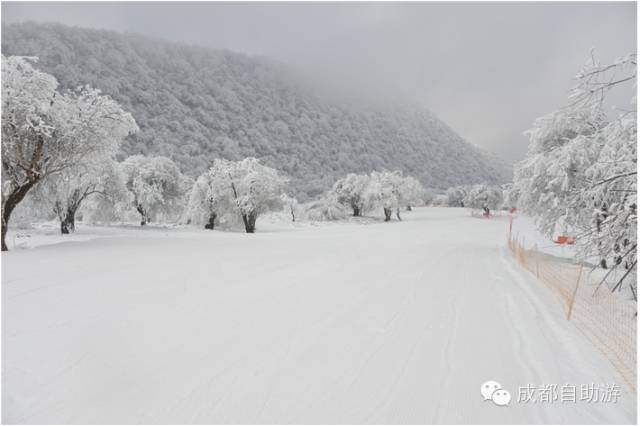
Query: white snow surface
pixel 356 322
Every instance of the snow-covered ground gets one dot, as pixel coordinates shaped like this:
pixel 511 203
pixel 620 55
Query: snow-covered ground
pixel 353 323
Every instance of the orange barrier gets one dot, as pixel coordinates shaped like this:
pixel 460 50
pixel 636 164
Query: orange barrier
pixel 564 239
pixel 607 319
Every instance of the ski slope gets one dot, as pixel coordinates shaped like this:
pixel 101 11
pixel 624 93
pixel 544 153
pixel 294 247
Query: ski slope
pixel 335 323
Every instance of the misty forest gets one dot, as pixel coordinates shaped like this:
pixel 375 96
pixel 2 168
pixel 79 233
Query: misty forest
pixel 195 235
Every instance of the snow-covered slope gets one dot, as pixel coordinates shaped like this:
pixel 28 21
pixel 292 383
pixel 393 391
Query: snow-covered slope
pixel 194 104
pixel 352 323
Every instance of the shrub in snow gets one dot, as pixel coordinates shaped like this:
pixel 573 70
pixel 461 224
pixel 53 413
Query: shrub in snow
pixel 327 208
pixel 45 133
pixel 579 176
pixel 156 184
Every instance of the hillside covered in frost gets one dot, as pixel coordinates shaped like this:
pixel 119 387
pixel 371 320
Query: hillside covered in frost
pixel 195 104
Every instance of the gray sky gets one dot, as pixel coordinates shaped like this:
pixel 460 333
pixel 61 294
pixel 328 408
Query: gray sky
pixel 487 69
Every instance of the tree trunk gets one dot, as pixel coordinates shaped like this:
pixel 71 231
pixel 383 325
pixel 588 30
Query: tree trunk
pixel 144 217
pixel 356 211
pixel 4 235
pixel 211 223
pixel 250 222
pixel 10 203
pixel 68 223
pixel 387 214
pixel 17 195
pixel 64 226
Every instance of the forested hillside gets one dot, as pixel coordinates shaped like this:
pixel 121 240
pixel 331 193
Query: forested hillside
pixel 195 104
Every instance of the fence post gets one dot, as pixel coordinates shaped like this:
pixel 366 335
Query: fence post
pixel 575 291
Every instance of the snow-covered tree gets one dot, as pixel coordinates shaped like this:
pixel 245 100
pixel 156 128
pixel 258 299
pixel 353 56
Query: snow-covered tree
pixel 27 132
pixel 612 193
pixel 411 192
pixel 209 199
pixel 429 196
pixel 255 188
pixel 440 200
pixel 102 120
pixel 351 191
pixel 290 205
pixel 455 196
pixel 113 202
pixel 510 195
pixel 561 148
pixel 483 196
pixel 65 192
pixel 156 183
pixel 579 176
pixel 384 191
pixel 45 132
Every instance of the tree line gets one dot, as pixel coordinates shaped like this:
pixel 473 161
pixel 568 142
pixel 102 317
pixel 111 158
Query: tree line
pixel 480 196
pixel 59 147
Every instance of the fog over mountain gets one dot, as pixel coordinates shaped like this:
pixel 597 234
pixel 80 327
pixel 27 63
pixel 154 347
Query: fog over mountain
pixel 485 68
pixel 195 104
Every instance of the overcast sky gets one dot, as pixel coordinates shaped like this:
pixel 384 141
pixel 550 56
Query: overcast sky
pixel 487 69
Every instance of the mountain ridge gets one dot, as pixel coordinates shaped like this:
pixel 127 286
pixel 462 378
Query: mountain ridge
pixel 194 104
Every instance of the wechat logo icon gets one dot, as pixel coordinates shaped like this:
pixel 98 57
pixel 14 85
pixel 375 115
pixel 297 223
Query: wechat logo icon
pixel 493 391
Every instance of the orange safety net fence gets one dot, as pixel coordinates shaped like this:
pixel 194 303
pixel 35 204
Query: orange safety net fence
pixel 607 319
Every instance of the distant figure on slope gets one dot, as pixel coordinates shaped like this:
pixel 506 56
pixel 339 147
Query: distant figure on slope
pixel 486 211
pixel 398 213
